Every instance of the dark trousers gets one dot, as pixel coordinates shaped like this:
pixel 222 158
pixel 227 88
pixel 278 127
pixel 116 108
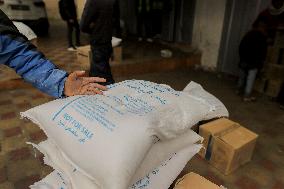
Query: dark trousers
pixel 100 67
pixel 70 26
pixel 144 26
pixel 157 18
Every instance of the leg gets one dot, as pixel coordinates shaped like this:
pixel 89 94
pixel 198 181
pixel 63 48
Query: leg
pixel 250 81
pixel 139 25
pixel 148 25
pixel 156 22
pixel 77 30
pixel 100 65
pixel 116 19
pixel 69 34
pixel 242 80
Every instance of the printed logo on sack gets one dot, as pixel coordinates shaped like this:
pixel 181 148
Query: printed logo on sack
pixel 146 181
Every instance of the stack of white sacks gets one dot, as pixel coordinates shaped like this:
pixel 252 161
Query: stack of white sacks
pixel 137 135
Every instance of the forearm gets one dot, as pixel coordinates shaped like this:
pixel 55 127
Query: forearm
pixel 32 65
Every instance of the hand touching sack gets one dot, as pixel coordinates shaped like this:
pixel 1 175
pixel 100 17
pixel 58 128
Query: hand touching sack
pixel 77 84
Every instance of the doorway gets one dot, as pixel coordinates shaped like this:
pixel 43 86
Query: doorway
pixel 239 16
pixel 177 19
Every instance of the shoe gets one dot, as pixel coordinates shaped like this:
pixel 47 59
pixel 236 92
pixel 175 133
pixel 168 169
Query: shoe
pixel 140 39
pixel 71 49
pixel 149 40
pixel 249 99
pixel 281 107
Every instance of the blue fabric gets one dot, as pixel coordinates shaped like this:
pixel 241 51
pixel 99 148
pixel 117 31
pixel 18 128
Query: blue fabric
pixel 32 66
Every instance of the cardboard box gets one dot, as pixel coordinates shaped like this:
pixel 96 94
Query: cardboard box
pixel 273 88
pixel 278 48
pixel 260 84
pixel 195 181
pixel 227 144
pixel 117 55
pixel 269 55
pixel 274 72
pixel 84 57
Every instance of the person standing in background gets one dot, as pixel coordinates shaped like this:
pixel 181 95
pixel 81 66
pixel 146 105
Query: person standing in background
pixel 252 51
pixel 273 16
pixel 68 12
pixel 144 22
pixel 116 20
pixel 157 15
pixel 97 21
pixel 160 8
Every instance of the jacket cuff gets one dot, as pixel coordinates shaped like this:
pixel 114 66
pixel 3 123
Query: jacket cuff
pixel 61 88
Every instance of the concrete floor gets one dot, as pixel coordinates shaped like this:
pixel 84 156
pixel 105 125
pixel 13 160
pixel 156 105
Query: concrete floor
pixel 19 167
pixel 266 170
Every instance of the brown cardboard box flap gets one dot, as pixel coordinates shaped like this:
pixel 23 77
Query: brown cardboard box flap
pixel 238 137
pixel 228 145
pixel 213 128
pixel 84 48
pixel 195 181
pixel 218 126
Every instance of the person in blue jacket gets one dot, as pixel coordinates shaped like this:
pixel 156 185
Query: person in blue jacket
pixel 19 54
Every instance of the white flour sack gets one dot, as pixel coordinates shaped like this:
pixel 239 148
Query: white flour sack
pixel 194 105
pixel 106 137
pixel 66 177
pixel 163 150
pixel 217 108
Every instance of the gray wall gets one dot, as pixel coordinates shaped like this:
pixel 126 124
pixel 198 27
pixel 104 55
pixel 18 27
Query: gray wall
pixel 240 14
pixel 207 30
pixel 219 26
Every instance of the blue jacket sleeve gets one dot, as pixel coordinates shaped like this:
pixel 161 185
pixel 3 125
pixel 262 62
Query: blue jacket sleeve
pixel 29 63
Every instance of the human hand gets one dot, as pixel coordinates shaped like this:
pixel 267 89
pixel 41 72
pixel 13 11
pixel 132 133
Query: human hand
pixel 77 84
pixel 71 20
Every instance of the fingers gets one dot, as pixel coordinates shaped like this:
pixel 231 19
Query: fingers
pixel 87 80
pixel 98 86
pixel 77 84
pixel 94 91
pixel 74 75
pixel 91 89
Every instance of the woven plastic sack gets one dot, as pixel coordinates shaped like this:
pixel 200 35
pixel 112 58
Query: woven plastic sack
pixel 217 108
pixel 106 137
pixel 66 177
